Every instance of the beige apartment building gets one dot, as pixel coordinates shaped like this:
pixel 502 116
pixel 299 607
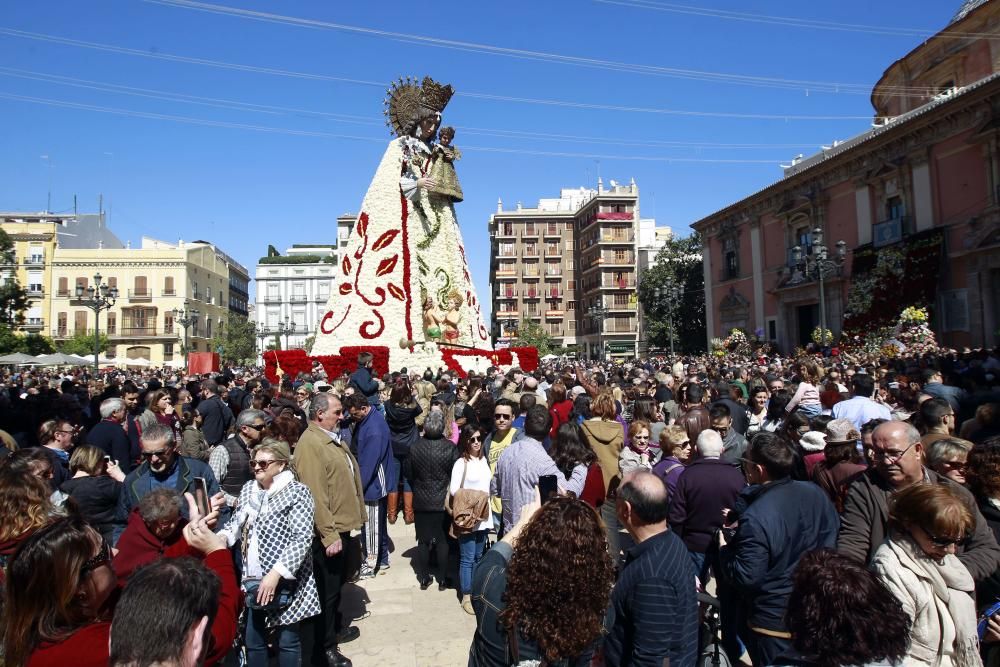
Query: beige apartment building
pixel 569 265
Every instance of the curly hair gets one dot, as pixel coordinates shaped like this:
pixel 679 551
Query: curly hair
pixel 286 428
pixel 983 468
pixel 25 503
pixel 840 613
pixel 559 579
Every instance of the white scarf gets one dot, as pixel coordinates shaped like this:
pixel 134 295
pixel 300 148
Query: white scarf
pixel 952 586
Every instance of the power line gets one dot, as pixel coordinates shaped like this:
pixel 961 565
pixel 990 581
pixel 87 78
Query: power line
pixel 438 42
pixel 238 105
pixel 328 135
pixel 792 21
pixel 159 55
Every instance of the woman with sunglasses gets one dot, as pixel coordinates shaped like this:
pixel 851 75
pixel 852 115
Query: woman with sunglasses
pixel 918 564
pixel 273 523
pixel 471 471
pixel 61 593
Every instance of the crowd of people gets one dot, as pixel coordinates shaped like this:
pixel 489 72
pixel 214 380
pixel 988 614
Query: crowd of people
pixel 842 511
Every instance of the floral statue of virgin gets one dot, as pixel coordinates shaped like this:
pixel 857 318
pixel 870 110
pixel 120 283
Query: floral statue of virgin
pixel 406 249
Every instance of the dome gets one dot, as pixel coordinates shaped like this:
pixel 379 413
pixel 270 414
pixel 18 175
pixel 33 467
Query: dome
pixel 967 6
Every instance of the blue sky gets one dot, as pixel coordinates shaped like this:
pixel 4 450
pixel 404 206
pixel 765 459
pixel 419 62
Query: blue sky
pixel 200 165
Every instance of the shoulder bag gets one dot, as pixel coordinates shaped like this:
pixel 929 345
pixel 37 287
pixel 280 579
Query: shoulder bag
pixel 467 507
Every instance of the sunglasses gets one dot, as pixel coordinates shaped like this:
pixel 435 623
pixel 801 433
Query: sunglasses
pixel 942 541
pixel 261 465
pixel 161 453
pixel 640 437
pixel 256 427
pixel 475 438
pixel 103 556
pixel 505 417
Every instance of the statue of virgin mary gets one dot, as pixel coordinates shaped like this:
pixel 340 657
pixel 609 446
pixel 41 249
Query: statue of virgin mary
pixel 405 254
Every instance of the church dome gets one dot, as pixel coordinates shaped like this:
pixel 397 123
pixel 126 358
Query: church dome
pixel 967 6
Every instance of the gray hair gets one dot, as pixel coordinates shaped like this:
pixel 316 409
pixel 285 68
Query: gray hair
pixel 710 443
pixel 947 449
pixel 158 433
pixel 320 403
pixel 159 504
pixel 248 417
pixel 110 406
pixel 434 424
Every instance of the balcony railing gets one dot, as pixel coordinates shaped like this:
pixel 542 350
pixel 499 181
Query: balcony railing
pixel 552 231
pixel 534 275
pixel 611 305
pixel 617 238
pixel 34 323
pixel 618 284
pixel 168 292
pixel 529 233
pixel 35 291
pixel 532 294
pixel 140 295
pixel 891 231
pixel 34 260
pixel 298 298
pixel 555 314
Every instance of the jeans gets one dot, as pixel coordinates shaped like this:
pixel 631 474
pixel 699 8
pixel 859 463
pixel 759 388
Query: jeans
pixel 400 477
pixel 700 567
pixel 289 647
pixel 373 532
pixel 470 550
pixel 609 516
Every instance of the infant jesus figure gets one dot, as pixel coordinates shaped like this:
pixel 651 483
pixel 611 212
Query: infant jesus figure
pixel 442 169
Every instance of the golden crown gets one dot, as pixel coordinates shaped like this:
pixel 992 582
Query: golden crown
pixel 406 102
pixel 435 96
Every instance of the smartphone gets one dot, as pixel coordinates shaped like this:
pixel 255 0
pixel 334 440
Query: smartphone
pixel 201 497
pixel 547 487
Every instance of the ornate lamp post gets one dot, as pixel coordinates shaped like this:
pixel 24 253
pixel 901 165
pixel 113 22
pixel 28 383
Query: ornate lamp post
pixel 285 328
pixel 597 313
pixel 818 265
pixel 97 297
pixel 666 298
pixel 186 318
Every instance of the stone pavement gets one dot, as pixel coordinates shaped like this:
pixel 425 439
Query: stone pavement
pixel 401 625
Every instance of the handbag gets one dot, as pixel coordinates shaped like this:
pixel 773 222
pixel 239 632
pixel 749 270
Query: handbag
pixel 281 600
pixel 467 507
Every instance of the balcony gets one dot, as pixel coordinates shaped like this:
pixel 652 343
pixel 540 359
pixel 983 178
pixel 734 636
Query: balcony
pixel 617 238
pixel 506 272
pixel 506 314
pixel 553 274
pixel 612 327
pixel 505 233
pixel 891 231
pixel 35 260
pixel 34 324
pixel 298 298
pixel 553 253
pixel 529 253
pixel 530 275
pixel 532 295
pixel 35 291
pixel 619 307
pixel 552 232
pixel 554 294
pixel 508 294
pixel 141 332
pixel 618 260
pixel 168 292
pixel 529 233
pixel 140 295
pixel 555 314
pixel 618 284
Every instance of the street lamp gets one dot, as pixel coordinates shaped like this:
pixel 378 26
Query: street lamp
pixel 97 297
pixel 818 265
pixel 285 328
pixel 666 297
pixel 186 318
pixel 597 313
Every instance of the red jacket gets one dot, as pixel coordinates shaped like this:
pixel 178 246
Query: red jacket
pixel 593 488
pixel 89 646
pixel 560 415
pixel 138 546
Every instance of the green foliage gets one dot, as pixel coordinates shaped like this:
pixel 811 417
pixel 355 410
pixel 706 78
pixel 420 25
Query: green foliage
pixel 308 344
pixel 13 298
pixel 296 259
pixel 238 341
pixel 678 263
pixel 36 344
pixel 82 344
pixel 531 334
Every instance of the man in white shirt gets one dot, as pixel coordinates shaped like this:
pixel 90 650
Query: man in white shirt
pixel 861 408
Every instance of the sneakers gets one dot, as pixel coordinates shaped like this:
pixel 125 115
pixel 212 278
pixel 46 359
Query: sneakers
pixel 467 605
pixel 367 572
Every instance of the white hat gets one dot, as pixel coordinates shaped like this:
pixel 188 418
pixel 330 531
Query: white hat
pixel 813 441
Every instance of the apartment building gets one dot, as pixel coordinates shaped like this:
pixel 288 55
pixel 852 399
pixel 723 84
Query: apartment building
pixel 569 265
pixel 294 288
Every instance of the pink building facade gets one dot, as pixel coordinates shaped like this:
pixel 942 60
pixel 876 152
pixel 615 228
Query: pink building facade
pixel 916 201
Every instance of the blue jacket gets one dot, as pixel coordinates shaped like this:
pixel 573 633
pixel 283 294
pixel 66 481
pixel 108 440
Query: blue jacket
pixel 779 522
pixel 139 483
pixel 362 379
pixel 371 442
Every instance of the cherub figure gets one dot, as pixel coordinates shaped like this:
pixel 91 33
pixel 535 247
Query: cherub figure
pixel 432 319
pixel 453 317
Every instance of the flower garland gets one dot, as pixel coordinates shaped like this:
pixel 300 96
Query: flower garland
pixel 293 362
pixel 822 336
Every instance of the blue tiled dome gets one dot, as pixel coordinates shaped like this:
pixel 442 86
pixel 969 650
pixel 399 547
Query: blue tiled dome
pixel 967 6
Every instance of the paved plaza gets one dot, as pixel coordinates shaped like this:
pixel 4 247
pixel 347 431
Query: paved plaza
pixel 401 625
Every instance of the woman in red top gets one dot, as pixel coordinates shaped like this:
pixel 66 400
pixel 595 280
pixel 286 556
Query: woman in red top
pixel 561 408
pixel 61 593
pixel 571 449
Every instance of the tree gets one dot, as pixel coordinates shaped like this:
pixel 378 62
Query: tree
pixel 33 344
pixel 238 341
pixel 678 263
pixel 13 298
pixel 307 345
pixel 530 334
pixel 82 344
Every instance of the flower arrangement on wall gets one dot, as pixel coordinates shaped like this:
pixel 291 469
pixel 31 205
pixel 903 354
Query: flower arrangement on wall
pixel 886 280
pixel 822 336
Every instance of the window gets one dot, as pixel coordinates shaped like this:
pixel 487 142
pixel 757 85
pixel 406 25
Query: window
pixel 61 324
pixel 208 327
pixel 894 208
pixel 168 286
pixel 622 323
pixel 299 291
pixel 273 290
pixel 730 259
pixel 168 322
pixel 140 286
pixel 220 299
pixel 35 282
pixel 168 351
pixel 64 287
pixel 323 289
pixel 112 323
pixel 621 256
pixel 507 229
pixel 530 249
pixel 552 229
pixel 529 229
pixel 621 299
pixel 507 249
pixel 80 322
pixel 194 290
pixel 572 325
pixel 81 284
pixel 571 305
pixel 531 307
pixel 112 282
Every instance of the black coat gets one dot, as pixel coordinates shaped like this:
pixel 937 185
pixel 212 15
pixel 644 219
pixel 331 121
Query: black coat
pixel 97 498
pixel 428 467
pixel 402 427
pixel 988 590
pixel 111 437
pixel 703 490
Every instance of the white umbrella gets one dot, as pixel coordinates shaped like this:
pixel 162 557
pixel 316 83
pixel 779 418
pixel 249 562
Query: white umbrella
pixel 549 357
pixel 60 359
pixel 16 358
pixel 138 361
